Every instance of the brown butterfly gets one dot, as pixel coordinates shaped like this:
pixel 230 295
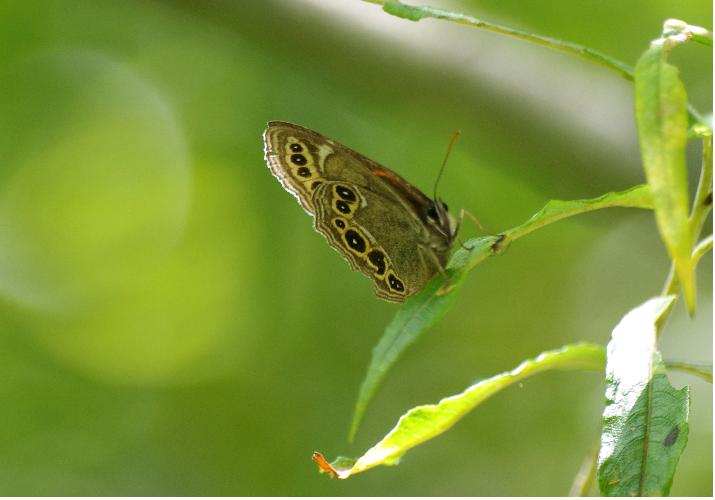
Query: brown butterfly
pixel 384 226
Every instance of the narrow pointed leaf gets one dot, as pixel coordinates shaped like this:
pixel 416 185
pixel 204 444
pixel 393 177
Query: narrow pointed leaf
pixel 425 308
pixel 426 422
pixel 661 114
pixel 636 197
pixel 414 317
pixel 645 422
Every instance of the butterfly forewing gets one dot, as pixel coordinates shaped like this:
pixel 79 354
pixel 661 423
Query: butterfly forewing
pixel 295 157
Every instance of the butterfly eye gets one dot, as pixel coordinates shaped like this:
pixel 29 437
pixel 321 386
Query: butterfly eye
pixel 432 212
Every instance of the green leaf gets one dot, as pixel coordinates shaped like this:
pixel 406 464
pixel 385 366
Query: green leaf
pixel 636 197
pixel 425 308
pixel 645 421
pixel 426 422
pixel 661 113
pixel 414 317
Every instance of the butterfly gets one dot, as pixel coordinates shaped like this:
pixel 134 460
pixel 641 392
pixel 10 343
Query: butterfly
pixel 381 224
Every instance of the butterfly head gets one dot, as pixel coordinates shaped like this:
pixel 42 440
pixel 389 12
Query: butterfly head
pixel 438 215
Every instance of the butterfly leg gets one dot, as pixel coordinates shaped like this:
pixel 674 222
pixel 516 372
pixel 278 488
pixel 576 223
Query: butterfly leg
pixel 447 285
pixel 464 211
pixel 460 219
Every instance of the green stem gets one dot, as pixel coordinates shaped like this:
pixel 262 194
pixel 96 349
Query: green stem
pixel 671 282
pixel 704 195
pixel 703 39
pixel 702 248
pixel 571 48
pixel 415 13
pixel 703 371
pixel 583 482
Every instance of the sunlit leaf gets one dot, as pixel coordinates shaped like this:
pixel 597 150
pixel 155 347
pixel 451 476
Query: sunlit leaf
pixel 423 423
pixel 661 113
pixel 414 317
pixel 423 310
pixel 645 422
pixel 635 197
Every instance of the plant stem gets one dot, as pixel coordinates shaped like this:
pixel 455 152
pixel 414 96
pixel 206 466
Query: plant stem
pixel 415 13
pixel 703 371
pixel 583 482
pixel 571 48
pixel 702 248
pixel 704 195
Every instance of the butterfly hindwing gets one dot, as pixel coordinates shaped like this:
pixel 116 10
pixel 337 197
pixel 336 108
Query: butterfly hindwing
pixel 376 236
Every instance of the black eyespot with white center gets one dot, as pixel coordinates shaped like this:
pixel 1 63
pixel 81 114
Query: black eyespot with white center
pixel 345 193
pixel 304 171
pixel 355 241
pixel 377 259
pixel 296 148
pixel 339 223
pixel 298 159
pixel 342 207
pixel 395 284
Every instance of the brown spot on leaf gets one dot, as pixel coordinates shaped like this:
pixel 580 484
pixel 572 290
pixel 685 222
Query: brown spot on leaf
pixel 672 437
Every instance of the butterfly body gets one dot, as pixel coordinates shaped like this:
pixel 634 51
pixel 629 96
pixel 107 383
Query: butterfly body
pixel 383 226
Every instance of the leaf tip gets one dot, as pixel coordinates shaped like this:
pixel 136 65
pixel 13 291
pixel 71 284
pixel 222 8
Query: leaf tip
pixel 323 466
pixel 357 415
pixel 341 467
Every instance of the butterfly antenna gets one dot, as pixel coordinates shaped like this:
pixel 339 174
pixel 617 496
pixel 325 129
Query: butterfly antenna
pixel 455 136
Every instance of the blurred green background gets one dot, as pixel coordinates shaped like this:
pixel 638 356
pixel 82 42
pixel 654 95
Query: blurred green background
pixel 172 325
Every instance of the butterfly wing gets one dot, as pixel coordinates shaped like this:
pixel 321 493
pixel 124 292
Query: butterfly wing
pixel 377 237
pixel 301 159
pixel 296 157
pixel 371 215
